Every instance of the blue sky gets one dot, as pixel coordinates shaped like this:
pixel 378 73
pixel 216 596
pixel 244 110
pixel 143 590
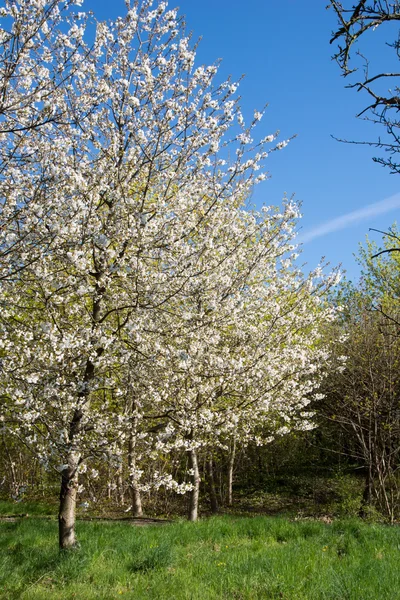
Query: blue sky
pixel 283 49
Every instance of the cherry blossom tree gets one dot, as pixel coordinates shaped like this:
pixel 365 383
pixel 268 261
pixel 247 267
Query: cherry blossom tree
pixel 118 176
pixel 244 360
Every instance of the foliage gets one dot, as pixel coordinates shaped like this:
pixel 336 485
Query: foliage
pixel 380 274
pixel 362 389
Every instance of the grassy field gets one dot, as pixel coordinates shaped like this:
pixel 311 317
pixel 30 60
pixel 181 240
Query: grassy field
pixel 217 558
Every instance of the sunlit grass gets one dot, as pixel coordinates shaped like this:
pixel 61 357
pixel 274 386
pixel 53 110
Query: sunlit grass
pixel 218 558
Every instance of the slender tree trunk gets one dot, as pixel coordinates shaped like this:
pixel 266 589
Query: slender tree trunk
pixel 230 469
pixel 194 494
pixel 14 486
pixel 260 470
pixel 211 486
pixel 67 511
pixel 136 500
pixel 120 487
pixel 367 493
pixel 69 475
pixel 109 486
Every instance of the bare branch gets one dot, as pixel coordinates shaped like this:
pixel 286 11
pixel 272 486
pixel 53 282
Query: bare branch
pixel 353 24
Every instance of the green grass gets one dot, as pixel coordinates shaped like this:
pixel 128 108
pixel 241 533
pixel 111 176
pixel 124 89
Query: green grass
pixel 219 558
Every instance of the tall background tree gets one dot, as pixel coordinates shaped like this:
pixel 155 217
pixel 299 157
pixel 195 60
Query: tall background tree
pixel 362 389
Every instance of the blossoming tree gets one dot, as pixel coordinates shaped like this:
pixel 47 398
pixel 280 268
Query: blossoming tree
pixel 119 208
pixel 244 359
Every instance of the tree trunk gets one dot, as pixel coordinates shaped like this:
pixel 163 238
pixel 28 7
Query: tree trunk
pixel 120 487
pixel 67 511
pixel 367 493
pixel 211 486
pixel 230 469
pixel 134 491
pixel 194 494
pixel 69 475
pixel 14 486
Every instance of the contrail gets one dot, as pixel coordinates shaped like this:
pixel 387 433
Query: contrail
pixel 349 219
